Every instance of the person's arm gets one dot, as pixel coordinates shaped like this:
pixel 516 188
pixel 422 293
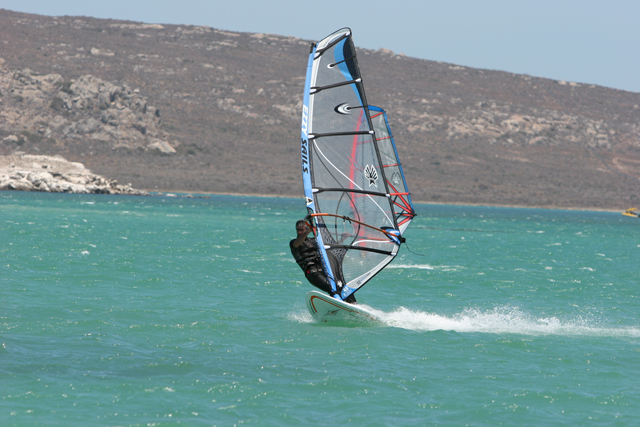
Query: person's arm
pixel 298 241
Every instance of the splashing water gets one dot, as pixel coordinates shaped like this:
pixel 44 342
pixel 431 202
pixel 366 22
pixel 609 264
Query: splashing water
pixel 500 320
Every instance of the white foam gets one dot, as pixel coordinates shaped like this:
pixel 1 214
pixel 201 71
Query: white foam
pixel 300 316
pixel 418 266
pixel 500 320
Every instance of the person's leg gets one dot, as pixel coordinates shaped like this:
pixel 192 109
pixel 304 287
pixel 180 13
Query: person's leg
pixel 319 280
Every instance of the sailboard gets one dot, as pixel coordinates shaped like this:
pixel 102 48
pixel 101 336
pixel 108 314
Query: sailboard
pixel 356 196
pixel 324 308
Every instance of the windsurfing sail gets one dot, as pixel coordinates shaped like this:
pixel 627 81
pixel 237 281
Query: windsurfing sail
pixel 358 217
pixel 396 182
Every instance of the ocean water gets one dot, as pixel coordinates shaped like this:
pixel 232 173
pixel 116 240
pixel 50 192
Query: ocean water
pixel 167 311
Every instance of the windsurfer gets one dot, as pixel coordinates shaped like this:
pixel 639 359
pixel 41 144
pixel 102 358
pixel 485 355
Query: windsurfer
pixel 305 252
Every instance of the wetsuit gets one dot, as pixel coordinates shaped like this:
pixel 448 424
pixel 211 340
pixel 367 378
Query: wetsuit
pixel 308 258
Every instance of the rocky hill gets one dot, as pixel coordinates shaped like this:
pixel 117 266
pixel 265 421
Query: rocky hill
pixel 183 108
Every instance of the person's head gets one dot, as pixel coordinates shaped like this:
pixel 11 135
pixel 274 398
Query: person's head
pixel 301 227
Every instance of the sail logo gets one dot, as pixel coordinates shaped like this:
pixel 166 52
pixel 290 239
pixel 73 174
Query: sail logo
pixel 305 156
pixel 304 139
pixel 371 175
pixel 395 178
pixel 342 108
pixel 308 201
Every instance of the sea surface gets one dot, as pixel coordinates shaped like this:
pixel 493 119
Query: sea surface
pixel 177 311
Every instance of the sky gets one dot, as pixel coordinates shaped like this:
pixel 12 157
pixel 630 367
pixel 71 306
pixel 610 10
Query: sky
pixel 582 41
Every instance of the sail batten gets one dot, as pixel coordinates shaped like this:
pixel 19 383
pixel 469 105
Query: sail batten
pixel 350 190
pixel 324 135
pixel 316 89
pixel 350 172
pixel 358 248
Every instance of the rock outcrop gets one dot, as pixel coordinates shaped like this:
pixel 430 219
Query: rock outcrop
pixel 85 109
pixel 24 172
pixel 501 126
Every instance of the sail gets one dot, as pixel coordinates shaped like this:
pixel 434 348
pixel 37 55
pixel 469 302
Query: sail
pixel 396 182
pixel 346 190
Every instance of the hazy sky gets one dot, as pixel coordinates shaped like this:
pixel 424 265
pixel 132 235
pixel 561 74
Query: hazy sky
pixel 585 41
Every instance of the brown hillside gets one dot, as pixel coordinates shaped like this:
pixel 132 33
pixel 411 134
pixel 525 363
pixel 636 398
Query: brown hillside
pixel 121 96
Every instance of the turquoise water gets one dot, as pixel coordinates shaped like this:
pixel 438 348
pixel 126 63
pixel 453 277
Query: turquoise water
pixel 157 311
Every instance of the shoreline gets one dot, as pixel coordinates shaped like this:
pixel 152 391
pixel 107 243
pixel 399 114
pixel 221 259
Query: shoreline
pixel 200 193
pixel 41 173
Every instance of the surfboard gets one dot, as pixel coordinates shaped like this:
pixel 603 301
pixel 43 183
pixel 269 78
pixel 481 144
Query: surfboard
pixel 324 308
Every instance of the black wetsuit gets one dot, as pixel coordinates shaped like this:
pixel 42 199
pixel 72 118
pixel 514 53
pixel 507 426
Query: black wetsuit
pixel 308 258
